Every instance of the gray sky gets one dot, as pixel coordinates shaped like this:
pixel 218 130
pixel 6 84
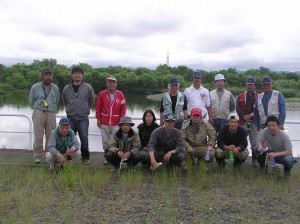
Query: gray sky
pixel 209 35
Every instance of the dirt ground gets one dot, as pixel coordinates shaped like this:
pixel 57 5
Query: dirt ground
pixel 220 200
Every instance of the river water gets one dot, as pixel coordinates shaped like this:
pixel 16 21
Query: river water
pixel 136 105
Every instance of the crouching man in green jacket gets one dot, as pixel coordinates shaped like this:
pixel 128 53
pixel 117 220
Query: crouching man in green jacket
pixel 62 145
pixel 199 138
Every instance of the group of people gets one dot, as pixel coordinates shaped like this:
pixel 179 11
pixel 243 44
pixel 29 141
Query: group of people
pixel 196 123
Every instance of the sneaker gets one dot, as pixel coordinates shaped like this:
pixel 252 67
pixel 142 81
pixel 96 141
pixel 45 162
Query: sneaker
pixel 52 166
pixel 86 162
pixel 37 161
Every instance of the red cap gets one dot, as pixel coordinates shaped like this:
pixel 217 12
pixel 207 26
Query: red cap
pixel 196 111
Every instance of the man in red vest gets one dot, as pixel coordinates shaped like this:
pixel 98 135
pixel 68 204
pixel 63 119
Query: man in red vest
pixel 244 107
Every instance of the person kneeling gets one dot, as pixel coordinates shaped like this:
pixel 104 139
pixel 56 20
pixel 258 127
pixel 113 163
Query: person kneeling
pixel 280 146
pixel 165 145
pixel 232 139
pixel 199 137
pixel 62 145
pixel 124 144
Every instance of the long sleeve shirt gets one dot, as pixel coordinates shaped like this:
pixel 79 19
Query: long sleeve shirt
pixel 160 141
pixel 237 138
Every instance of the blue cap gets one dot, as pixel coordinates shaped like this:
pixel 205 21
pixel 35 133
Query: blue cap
pixel 64 120
pixel 169 117
pixel 266 80
pixel 251 80
pixel 174 81
pixel 197 74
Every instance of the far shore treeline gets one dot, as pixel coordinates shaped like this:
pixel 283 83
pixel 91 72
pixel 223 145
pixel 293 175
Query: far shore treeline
pixel 141 80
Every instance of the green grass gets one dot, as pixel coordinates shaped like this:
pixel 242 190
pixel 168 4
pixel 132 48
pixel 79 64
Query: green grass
pixel 81 194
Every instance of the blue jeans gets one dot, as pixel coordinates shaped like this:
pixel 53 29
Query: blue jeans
pixel 82 127
pixel 218 123
pixel 286 161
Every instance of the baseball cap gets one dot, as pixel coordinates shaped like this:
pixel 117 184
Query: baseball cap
pixel 196 111
pixel 174 81
pixel 169 117
pixel 219 77
pixel 64 120
pixel 47 70
pixel 251 80
pixel 266 80
pixel 111 78
pixel 197 74
pixel 233 116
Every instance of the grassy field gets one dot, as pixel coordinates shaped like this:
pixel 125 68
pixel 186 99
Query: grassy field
pixel 92 194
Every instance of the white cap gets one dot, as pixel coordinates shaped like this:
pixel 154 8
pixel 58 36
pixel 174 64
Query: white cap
pixel 233 116
pixel 219 77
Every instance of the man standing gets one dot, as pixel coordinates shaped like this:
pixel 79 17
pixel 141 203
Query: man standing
pixel 198 97
pixel 270 102
pixel 199 137
pixel 222 103
pixel 232 139
pixel 63 145
pixel 174 102
pixel 245 109
pixel 110 107
pixel 279 143
pixel 43 99
pixel 78 98
pixel 165 145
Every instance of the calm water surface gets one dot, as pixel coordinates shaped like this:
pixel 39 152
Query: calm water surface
pixel 136 105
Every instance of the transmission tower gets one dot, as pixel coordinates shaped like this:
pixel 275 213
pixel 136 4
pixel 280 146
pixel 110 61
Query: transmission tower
pixel 167 58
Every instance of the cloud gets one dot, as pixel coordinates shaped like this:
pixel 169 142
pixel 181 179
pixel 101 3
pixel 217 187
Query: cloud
pixel 139 33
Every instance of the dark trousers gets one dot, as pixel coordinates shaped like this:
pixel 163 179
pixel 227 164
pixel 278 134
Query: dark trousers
pixel 82 128
pixel 132 161
pixel 218 123
pixel 175 160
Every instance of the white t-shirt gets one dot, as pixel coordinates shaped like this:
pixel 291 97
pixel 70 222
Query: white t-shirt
pixel 197 98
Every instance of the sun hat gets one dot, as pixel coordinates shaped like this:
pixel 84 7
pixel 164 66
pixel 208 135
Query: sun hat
pixel 126 120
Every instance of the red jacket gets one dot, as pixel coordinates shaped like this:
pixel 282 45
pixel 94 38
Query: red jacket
pixel 108 112
pixel 242 104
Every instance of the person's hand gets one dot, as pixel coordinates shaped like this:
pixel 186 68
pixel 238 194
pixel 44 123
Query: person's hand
pixel 272 155
pixel 281 127
pixel 120 154
pixel 210 120
pixel 61 159
pixel 210 148
pixel 231 147
pixel 190 150
pixel 236 149
pixel 260 148
pixel 154 164
pixel 70 151
pixel 99 123
pixel 126 155
pixel 167 156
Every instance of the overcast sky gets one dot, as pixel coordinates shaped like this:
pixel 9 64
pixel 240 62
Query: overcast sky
pixel 209 35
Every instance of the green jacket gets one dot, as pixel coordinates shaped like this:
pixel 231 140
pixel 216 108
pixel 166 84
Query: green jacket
pixel 200 138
